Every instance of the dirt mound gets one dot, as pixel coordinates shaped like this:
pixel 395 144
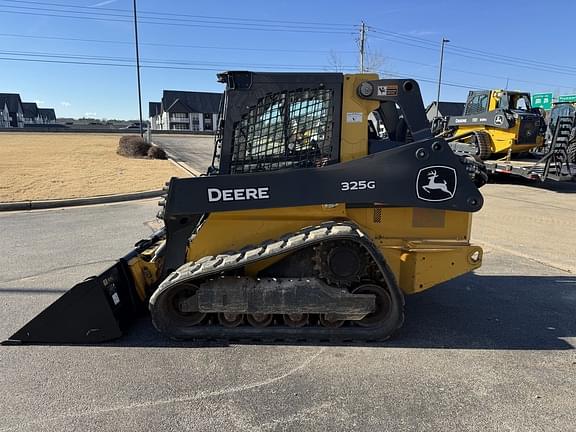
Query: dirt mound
pixel 133 146
pixel 156 153
pixel 137 147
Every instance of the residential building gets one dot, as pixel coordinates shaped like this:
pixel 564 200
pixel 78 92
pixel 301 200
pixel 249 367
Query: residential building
pixel 445 109
pixel 31 115
pixel 48 115
pixel 15 110
pixel 4 115
pixel 155 115
pixel 183 110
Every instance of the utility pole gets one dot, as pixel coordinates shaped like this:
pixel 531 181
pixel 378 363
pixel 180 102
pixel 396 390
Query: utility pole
pixel 507 79
pixel 362 45
pixel 138 67
pixel 444 41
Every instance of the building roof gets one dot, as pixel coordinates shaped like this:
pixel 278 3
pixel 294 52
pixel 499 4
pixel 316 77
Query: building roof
pixel 192 102
pixel 448 108
pixel 12 101
pixel 30 109
pixel 154 108
pixel 47 113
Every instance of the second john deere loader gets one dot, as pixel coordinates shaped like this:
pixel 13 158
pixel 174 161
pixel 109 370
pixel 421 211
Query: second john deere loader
pixel 498 123
pixel 306 227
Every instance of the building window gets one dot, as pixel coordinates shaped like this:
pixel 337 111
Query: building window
pixel 208 122
pixel 179 117
pixel 195 122
pixel 178 126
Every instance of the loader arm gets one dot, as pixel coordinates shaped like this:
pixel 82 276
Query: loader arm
pixel 392 178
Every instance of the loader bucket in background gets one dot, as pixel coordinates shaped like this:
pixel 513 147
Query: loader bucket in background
pixel 93 311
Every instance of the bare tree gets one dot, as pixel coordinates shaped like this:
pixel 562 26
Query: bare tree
pixel 334 61
pixel 375 60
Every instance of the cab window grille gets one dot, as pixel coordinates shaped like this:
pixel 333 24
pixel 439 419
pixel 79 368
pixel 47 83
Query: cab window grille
pixel 291 129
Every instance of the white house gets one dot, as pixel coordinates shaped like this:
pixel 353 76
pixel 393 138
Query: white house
pixel 14 104
pixel 31 115
pixel 182 110
pixel 48 115
pixel 4 115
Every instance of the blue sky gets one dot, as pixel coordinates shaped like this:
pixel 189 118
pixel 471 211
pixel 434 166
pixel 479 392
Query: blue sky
pixel 527 44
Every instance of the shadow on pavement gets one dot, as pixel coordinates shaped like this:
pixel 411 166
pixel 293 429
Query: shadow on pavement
pixel 493 312
pixel 471 312
pixel 31 291
pixel 564 187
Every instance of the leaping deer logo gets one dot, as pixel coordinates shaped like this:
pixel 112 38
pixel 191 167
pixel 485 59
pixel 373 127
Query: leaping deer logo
pixel 433 184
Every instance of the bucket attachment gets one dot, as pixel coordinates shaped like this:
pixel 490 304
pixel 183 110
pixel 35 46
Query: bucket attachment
pixel 93 311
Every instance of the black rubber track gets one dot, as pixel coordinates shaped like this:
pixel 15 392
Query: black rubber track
pixel 215 265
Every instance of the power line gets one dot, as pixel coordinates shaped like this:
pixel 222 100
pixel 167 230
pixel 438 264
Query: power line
pixel 475 54
pixel 160 61
pixel 415 41
pixel 420 78
pixel 280 26
pixel 478 73
pixel 110 17
pixel 156 13
pixel 226 48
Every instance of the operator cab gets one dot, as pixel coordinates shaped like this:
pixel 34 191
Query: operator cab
pixel 514 101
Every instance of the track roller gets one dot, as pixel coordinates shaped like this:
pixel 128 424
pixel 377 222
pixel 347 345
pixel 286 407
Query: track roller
pixel 230 320
pixel 259 320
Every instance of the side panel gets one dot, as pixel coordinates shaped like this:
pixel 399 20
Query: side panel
pixel 422 247
pixel 224 231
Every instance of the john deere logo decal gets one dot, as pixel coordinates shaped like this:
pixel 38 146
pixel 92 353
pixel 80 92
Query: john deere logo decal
pixel 499 119
pixel 436 183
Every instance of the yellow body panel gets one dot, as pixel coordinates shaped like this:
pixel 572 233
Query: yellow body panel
pixel 419 254
pixel 503 140
pixel 422 247
pixel 354 137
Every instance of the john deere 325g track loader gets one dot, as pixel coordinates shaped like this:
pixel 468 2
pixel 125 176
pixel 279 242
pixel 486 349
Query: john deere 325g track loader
pixel 305 228
pixel 497 123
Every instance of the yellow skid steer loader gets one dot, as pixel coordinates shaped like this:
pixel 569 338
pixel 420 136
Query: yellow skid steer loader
pixel 306 227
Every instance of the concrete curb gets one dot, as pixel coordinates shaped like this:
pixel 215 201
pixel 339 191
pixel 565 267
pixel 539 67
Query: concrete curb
pixel 72 202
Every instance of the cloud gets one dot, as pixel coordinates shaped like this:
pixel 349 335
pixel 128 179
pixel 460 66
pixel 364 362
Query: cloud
pixel 103 3
pixel 90 114
pixel 65 104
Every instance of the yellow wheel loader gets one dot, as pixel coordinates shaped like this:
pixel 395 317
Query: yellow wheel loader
pixel 497 123
pixel 304 228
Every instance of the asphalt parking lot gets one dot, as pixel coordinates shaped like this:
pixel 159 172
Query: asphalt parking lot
pixel 196 151
pixel 493 350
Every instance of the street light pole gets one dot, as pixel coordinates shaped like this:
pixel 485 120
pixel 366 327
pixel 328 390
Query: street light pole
pixel 138 67
pixel 444 41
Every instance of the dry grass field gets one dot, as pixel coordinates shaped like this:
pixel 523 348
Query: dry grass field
pixel 62 165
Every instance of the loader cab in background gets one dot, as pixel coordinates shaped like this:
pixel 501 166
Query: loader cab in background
pixel 498 123
pixel 480 102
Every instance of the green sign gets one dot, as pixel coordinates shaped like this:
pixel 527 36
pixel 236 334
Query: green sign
pixel 542 100
pixel 567 98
